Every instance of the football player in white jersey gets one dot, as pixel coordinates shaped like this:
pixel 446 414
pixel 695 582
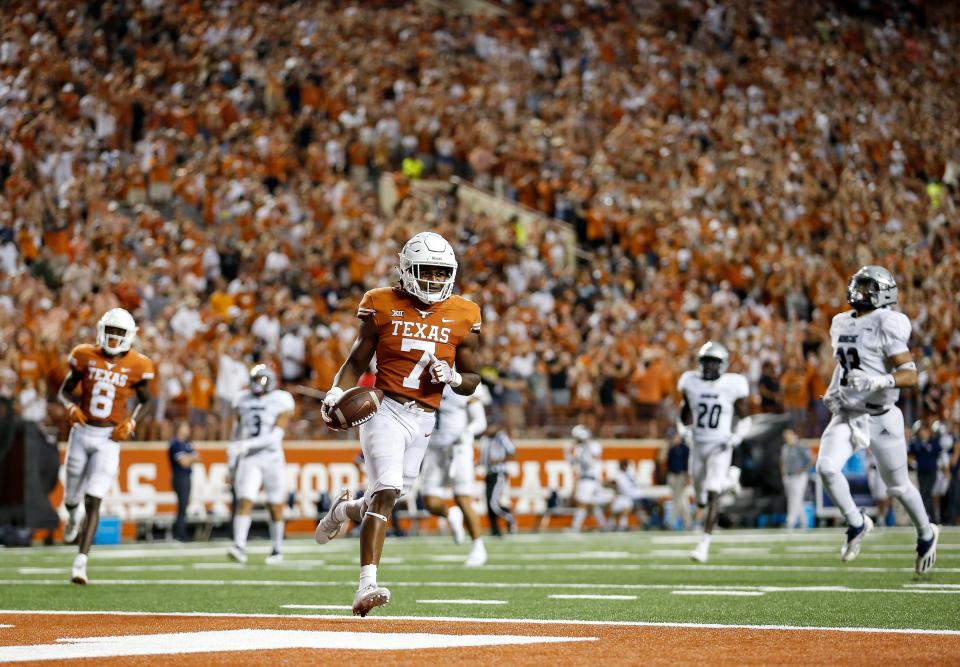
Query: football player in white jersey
pixel 256 458
pixel 870 344
pixel 448 464
pixel 713 417
pixel 584 455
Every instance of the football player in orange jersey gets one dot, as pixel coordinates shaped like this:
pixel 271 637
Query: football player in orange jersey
pixel 108 374
pixel 425 339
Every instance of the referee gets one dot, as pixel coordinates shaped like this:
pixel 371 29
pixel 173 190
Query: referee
pixel 496 448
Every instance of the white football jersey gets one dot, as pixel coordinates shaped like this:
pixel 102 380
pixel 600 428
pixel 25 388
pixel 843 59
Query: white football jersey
pixel 586 459
pixel 867 342
pixel 258 414
pixel 453 417
pixel 712 404
pixel 626 485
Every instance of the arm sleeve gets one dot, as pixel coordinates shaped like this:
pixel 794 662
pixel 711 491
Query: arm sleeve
pixel 895 334
pixel 367 309
pixel 287 404
pixel 477 417
pixel 682 382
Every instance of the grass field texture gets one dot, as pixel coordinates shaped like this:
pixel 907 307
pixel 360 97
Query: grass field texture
pixel 753 577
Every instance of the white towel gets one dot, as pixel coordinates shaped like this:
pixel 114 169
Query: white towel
pixel 859 430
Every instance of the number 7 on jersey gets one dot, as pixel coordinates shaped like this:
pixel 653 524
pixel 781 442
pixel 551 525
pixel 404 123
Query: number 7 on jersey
pixel 412 381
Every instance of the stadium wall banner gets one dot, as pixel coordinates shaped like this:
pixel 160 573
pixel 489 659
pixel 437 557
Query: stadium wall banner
pixel 143 489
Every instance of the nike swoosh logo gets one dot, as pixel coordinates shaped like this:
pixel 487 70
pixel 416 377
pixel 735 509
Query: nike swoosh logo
pixel 445 320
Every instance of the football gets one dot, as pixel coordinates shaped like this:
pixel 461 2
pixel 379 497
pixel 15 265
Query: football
pixel 356 406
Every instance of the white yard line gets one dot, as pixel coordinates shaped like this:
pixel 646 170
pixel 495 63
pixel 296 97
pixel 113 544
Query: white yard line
pixel 518 621
pixel 462 601
pixel 592 597
pixel 730 593
pixel 323 607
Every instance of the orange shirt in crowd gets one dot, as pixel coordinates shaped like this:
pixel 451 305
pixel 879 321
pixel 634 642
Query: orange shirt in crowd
pixel 796 390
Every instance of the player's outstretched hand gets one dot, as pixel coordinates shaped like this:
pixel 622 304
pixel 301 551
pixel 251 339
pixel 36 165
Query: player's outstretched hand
pixel 329 401
pixel 442 373
pixel 862 381
pixel 75 414
pixel 124 429
pixel 833 402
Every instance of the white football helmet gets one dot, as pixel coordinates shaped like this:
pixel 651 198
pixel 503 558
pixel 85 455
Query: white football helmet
pixel 712 351
pixel 112 342
pixel 427 249
pixel 262 380
pixel 580 433
pixel 871 287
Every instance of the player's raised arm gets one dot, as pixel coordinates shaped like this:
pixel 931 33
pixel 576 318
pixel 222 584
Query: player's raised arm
pixel 355 365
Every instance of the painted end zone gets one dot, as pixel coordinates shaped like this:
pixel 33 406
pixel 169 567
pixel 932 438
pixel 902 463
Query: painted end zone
pixel 171 639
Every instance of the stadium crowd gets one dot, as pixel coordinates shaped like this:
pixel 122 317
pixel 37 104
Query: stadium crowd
pixel 213 168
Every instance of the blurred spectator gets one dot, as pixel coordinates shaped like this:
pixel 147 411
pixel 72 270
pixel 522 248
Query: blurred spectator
pixel 795 469
pixel 771 396
pixel 796 394
pixel 678 478
pixel 496 449
pixel 924 450
pixel 200 397
pixel 182 457
pixel 33 401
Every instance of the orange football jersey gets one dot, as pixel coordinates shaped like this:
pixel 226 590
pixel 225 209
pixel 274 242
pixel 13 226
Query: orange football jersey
pixel 108 382
pixel 410 331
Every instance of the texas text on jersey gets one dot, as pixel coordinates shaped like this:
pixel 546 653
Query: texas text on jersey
pixel 409 333
pixel 108 381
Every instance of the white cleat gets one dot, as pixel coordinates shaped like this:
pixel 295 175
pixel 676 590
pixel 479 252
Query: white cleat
pixel 275 558
pixel 78 574
pixel 455 519
pixel 237 554
pixel 701 552
pixel 74 521
pixel 478 555
pixel 851 546
pixel 329 527
pixel 927 551
pixel 370 598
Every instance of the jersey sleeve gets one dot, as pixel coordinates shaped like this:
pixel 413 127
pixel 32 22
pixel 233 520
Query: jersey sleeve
pixel 76 356
pixel 367 310
pixel 683 381
pixel 474 317
pixel 147 371
pixel 286 402
pixel 895 334
pixel 741 387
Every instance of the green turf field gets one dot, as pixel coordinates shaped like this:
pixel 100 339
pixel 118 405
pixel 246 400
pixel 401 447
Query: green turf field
pixel 753 577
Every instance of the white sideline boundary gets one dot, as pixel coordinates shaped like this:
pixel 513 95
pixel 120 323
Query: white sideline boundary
pixel 516 621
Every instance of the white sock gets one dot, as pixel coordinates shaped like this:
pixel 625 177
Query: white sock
pixel 705 539
pixel 340 511
pixel 599 517
pixel 854 519
pixel 368 576
pixel 478 544
pixel 578 518
pixel 241 528
pixel 80 560
pixel 276 534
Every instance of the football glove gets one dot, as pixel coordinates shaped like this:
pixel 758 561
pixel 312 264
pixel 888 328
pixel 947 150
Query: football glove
pixel 329 402
pixel 859 380
pixel 833 402
pixel 124 429
pixel 75 414
pixel 442 373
